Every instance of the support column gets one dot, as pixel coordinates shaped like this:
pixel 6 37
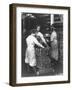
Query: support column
pixel 52 19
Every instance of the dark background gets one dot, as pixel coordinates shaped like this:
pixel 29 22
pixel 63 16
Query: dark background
pixel 44 21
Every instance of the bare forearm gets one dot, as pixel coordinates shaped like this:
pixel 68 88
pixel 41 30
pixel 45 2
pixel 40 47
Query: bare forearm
pixel 40 45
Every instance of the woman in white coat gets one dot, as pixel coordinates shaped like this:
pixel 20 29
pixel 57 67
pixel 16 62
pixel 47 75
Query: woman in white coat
pixel 39 34
pixel 54 44
pixel 30 57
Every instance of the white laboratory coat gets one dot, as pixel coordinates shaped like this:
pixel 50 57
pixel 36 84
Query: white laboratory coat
pixel 54 45
pixel 30 57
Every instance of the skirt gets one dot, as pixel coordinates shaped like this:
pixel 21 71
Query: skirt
pixel 30 57
pixel 54 50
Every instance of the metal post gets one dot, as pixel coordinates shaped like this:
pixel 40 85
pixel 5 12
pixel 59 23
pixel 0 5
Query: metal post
pixel 52 19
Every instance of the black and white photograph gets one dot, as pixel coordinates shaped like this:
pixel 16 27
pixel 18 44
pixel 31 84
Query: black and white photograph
pixel 40 44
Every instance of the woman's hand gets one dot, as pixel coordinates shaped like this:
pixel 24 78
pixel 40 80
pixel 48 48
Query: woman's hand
pixel 43 46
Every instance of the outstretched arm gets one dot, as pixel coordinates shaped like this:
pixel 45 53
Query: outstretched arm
pixel 37 43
